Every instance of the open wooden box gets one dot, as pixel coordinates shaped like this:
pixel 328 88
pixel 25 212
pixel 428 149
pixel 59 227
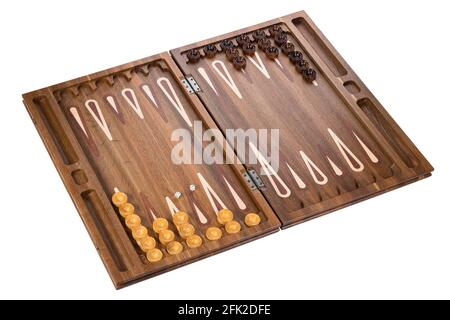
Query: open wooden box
pixel 112 130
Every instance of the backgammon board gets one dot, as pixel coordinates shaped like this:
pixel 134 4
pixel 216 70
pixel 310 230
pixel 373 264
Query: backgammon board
pixel 111 137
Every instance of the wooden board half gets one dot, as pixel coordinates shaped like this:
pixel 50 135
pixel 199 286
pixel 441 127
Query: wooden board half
pixel 112 130
pixel 337 144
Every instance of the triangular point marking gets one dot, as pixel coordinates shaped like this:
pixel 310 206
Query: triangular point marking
pixel 297 179
pixel 369 152
pixel 313 168
pixel 336 169
pixel 226 77
pixel 235 195
pixel 271 173
pixel 345 151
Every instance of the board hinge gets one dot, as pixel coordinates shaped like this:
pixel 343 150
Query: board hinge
pixel 190 84
pixel 253 179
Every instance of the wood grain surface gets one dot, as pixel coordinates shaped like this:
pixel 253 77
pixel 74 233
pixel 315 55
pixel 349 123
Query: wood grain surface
pixel 112 130
pixel 335 137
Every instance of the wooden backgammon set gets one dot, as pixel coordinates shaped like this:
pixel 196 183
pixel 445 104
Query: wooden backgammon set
pixel 110 135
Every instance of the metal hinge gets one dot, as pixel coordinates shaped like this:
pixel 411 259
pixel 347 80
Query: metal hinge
pixel 253 179
pixel 190 84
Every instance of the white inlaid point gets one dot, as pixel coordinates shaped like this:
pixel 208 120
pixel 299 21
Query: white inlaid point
pixel 271 173
pixel 226 77
pixel 210 193
pixel 100 119
pixel 112 103
pixel 259 65
pixel 336 169
pixel 346 152
pixel 200 215
pixel 149 94
pixel 76 115
pixel 173 98
pixel 279 63
pixel 369 152
pixel 133 101
pixel 313 168
pixel 236 197
pixel 172 207
pixel 297 179
pixel 205 76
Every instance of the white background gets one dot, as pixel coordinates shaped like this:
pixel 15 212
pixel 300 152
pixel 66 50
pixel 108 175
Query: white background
pixel 393 246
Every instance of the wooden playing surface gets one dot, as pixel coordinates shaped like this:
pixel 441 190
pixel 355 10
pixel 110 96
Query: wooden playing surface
pixel 338 145
pixel 112 131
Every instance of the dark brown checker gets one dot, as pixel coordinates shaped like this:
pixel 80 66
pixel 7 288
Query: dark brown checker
pixel 99 141
pixel 313 118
